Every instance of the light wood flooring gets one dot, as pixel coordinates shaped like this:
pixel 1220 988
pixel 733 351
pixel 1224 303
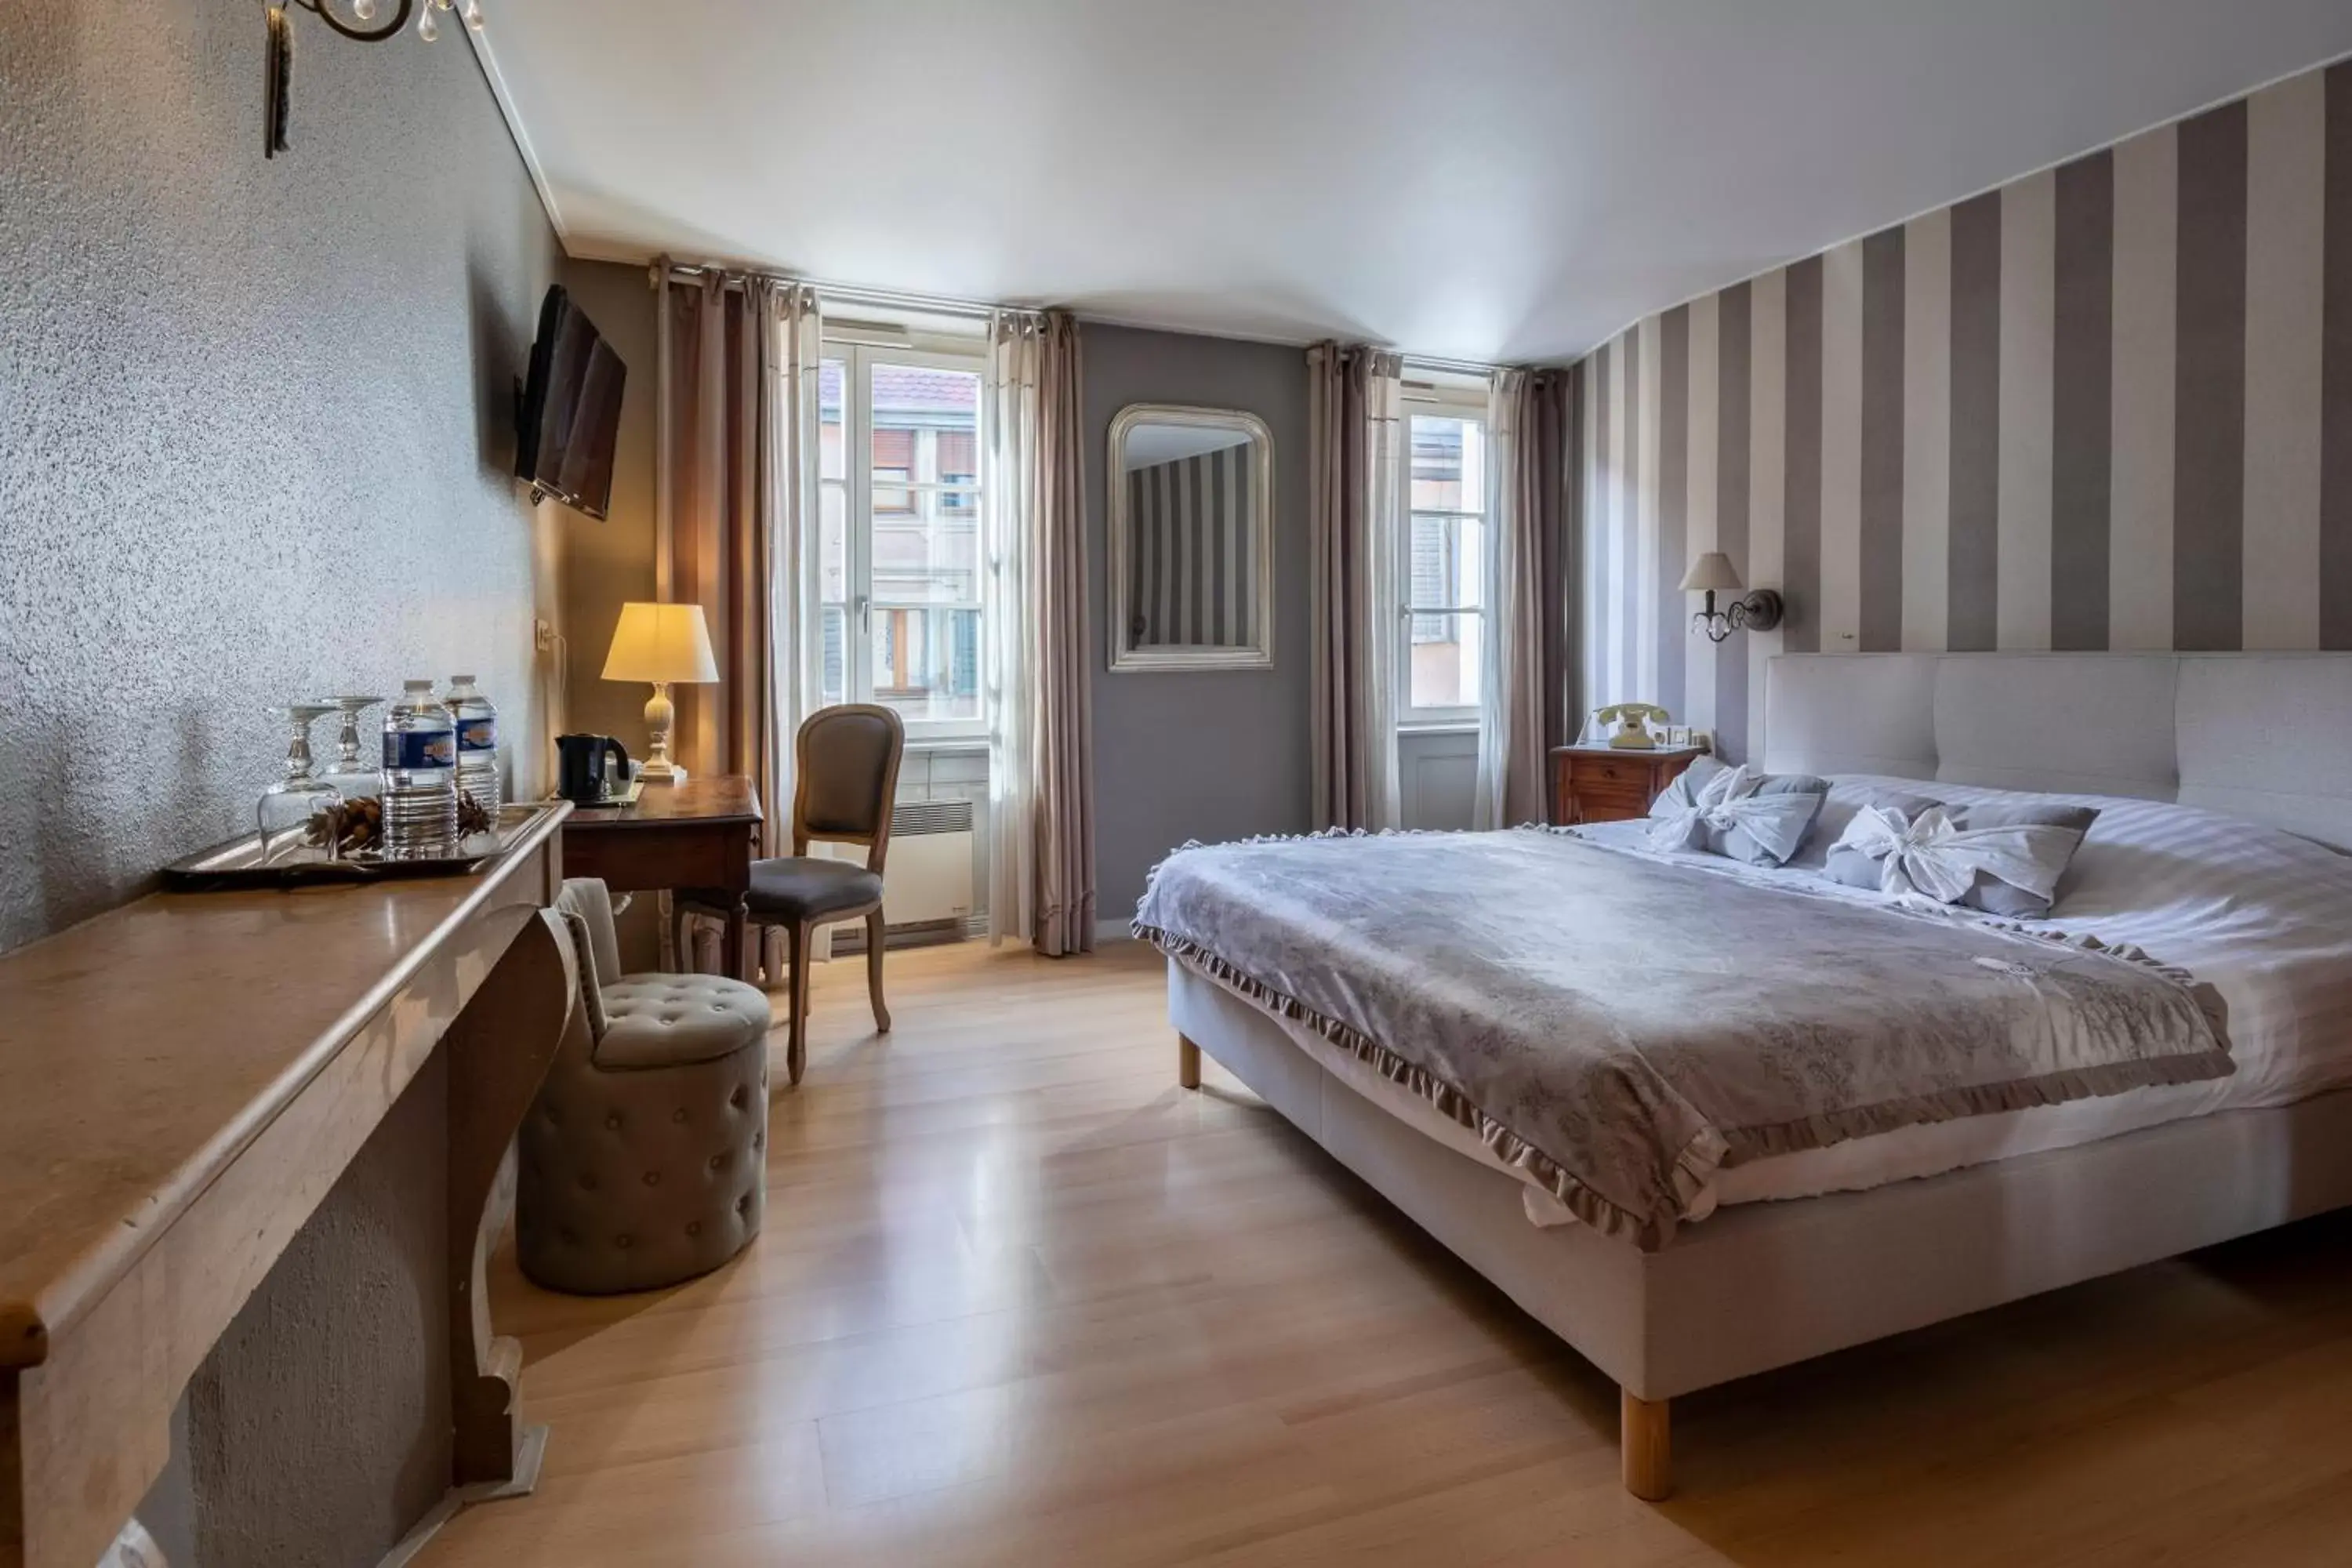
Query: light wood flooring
pixel 1021 1301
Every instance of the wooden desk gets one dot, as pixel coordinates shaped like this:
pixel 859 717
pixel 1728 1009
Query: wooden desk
pixel 182 1080
pixel 701 834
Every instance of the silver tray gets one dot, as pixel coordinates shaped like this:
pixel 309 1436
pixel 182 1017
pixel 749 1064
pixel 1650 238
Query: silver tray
pixel 238 862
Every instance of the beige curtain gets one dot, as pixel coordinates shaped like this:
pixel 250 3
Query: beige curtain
pixel 1524 693
pixel 735 492
pixel 1041 747
pixel 1356 455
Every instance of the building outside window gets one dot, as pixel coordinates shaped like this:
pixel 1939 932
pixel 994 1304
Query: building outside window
pixel 1444 563
pixel 900 559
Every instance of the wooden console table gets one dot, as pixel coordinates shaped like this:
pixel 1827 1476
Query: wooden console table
pixel 182 1081
pixel 701 834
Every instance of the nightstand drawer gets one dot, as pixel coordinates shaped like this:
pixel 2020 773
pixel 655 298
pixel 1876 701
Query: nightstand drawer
pixel 1591 784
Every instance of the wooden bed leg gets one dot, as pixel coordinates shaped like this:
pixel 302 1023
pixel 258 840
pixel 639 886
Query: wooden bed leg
pixel 1644 1447
pixel 1188 1063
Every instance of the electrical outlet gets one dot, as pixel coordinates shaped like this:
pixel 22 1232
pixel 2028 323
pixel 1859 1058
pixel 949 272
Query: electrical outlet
pixel 542 635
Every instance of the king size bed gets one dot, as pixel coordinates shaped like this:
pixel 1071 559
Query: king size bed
pixel 1702 1117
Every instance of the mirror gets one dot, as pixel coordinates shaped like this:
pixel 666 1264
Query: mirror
pixel 1192 539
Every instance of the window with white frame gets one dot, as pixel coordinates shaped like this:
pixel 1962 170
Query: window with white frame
pixel 1443 563
pixel 901 566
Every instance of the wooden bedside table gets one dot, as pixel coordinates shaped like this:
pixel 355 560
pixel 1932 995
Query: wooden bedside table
pixel 1600 784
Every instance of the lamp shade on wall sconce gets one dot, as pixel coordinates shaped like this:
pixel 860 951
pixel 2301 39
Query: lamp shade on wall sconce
pixel 661 644
pixel 1713 573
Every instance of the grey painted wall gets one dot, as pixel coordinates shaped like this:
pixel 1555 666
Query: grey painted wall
pixel 256 420
pixel 1216 756
pixel 255 439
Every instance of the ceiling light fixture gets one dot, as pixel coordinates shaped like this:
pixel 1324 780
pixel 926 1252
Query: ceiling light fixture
pixel 362 21
pixel 364 27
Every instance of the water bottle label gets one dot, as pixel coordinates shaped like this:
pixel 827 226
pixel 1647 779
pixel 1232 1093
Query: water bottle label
pixel 477 734
pixel 409 749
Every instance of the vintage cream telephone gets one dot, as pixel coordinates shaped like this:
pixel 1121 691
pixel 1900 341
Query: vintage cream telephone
pixel 1632 720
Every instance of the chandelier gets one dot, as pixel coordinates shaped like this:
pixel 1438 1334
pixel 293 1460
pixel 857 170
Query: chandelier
pixel 366 28
pixel 364 21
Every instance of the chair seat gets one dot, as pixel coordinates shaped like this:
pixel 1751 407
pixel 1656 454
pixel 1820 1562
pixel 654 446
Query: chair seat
pixel 807 886
pixel 667 1020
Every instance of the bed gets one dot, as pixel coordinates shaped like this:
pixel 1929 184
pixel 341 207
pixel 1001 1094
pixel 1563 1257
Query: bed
pixel 1786 1256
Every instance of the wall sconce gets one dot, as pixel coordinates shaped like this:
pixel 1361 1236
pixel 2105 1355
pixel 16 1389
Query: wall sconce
pixel 1756 612
pixel 367 25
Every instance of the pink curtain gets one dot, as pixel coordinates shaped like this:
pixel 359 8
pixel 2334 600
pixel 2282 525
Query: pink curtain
pixel 1042 787
pixel 1528 421
pixel 736 388
pixel 1355 491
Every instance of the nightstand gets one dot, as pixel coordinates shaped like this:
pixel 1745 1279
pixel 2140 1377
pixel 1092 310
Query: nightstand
pixel 1601 784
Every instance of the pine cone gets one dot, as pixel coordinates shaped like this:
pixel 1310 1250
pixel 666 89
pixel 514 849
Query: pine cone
pixel 471 815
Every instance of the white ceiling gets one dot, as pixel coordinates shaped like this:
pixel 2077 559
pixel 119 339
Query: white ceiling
pixel 1484 179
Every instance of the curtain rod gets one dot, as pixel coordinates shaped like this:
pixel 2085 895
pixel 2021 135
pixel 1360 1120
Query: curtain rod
pixel 1449 367
pixel 847 293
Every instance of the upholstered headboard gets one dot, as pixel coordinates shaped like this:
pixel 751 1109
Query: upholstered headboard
pixel 2262 735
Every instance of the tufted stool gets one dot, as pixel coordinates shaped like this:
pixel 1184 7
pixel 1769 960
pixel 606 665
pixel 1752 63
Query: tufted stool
pixel 644 1159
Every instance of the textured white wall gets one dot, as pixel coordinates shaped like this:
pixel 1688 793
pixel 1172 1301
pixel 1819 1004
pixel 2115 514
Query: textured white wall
pixel 255 420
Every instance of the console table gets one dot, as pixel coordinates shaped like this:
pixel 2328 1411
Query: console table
pixel 182 1081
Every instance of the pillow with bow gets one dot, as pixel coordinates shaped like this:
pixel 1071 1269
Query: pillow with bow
pixel 2005 859
pixel 1846 797
pixel 1736 811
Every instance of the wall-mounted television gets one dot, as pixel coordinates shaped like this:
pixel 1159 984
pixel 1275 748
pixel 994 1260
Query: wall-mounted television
pixel 569 412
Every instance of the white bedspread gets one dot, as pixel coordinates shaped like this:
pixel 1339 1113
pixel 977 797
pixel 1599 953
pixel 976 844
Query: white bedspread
pixel 2264 916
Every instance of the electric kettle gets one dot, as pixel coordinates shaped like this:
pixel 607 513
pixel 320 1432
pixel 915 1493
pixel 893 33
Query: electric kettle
pixel 590 769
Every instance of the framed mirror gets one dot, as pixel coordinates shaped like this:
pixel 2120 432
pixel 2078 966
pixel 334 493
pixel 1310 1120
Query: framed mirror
pixel 1192 539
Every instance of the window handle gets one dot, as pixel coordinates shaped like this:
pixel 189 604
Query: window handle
pixel 865 613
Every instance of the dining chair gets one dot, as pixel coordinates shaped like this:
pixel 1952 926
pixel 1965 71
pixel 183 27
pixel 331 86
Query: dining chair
pixel 846 763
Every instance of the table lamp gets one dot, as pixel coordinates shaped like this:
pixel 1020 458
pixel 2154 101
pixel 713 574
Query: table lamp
pixel 661 642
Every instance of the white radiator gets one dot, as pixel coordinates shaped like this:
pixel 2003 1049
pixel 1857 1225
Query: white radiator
pixel 927 878
pixel 927 887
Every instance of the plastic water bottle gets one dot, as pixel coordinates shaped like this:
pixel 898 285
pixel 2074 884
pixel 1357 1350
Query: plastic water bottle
pixel 420 775
pixel 478 743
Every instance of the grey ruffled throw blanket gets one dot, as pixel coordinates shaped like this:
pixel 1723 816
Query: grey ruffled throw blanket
pixel 1617 1027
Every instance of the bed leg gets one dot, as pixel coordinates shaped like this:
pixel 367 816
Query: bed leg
pixel 1644 1447
pixel 1188 1063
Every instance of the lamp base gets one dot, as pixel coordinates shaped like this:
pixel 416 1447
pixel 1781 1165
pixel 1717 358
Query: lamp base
pixel 657 769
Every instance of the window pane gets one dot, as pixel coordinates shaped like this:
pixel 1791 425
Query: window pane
pixel 925 425
pixel 927 551
pixel 1445 661
pixel 1449 464
pixel 833 543
pixel 927 662
pixel 831 444
pixel 833 655
pixel 1447 565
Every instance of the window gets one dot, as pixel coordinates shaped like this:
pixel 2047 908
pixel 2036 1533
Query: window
pixel 1444 566
pixel 900 563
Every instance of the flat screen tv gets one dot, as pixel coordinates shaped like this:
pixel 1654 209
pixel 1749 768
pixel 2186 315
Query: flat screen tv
pixel 569 411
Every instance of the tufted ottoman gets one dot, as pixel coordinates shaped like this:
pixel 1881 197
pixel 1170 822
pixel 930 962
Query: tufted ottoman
pixel 644 1159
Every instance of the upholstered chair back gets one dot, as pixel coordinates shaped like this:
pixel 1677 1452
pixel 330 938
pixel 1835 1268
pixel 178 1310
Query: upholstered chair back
pixel 848 760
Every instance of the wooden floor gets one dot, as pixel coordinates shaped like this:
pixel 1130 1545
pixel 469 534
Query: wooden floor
pixel 1022 1301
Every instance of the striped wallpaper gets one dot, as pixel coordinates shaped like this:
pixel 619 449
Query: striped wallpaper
pixel 2108 406
pixel 1190 565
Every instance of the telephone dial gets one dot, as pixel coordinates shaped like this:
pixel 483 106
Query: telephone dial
pixel 1632 721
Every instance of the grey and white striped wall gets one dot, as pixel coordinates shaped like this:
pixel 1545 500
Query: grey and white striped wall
pixel 2106 405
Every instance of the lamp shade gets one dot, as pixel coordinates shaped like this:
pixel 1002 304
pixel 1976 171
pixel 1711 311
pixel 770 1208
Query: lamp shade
pixel 1712 570
pixel 661 642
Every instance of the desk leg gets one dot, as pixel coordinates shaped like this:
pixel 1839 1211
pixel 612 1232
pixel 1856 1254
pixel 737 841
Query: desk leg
pixel 500 1049
pixel 731 963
